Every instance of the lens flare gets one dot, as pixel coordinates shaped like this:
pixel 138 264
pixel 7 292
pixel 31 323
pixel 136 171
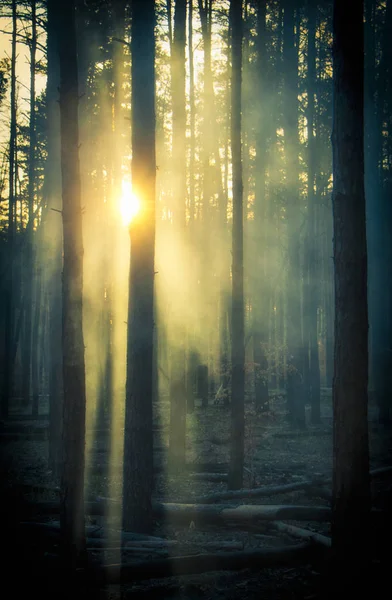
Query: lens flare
pixel 129 203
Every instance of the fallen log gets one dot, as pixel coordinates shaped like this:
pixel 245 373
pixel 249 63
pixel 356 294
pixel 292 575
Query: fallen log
pixel 260 492
pixel 93 533
pixel 140 551
pixel 303 534
pixel 199 563
pixel 320 492
pixel 303 434
pixel 206 513
pixel 33 436
pixel 97 469
pixel 381 472
pixel 218 477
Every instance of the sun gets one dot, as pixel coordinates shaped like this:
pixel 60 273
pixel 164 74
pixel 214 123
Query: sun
pixel 129 203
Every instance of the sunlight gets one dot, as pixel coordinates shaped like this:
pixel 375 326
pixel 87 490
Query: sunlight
pixel 129 203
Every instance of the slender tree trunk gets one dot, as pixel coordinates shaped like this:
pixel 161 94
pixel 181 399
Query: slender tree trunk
pixel 37 345
pixel 9 296
pixel 176 456
pixel 29 261
pixel 351 484
pixel 261 296
pixel 52 183
pixel 290 114
pixel 138 451
pixel 312 246
pixel 236 466
pixel 192 115
pixel 74 407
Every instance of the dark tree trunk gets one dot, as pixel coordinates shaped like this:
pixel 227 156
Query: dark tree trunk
pixel 294 336
pixel 312 241
pixel 9 285
pixel 235 476
pixel 52 184
pixel 176 454
pixel 261 292
pixel 74 406
pixel 138 437
pixel 37 345
pixel 29 250
pixel 351 483
pixel 192 115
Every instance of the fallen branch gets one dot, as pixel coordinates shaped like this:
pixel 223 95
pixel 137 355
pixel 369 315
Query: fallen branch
pixel 207 513
pixel 98 469
pixel 200 563
pixel 218 477
pixel 320 492
pixel 255 492
pixel 139 551
pixel 303 434
pixel 303 534
pixel 93 533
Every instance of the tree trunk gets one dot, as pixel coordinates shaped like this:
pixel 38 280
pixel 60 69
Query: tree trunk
pixel 74 407
pixel 261 291
pixel 9 286
pixel 294 342
pixel 29 262
pixel 138 437
pixel 351 482
pixel 52 175
pixel 176 456
pixel 237 348
pixel 37 345
pixel 312 242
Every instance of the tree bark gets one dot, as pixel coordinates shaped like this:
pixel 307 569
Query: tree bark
pixel 235 476
pixel 176 457
pixel 138 436
pixel 52 183
pixel 290 124
pixel 312 241
pixel 9 296
pixel 29 249
pixel 74 406
pixel 351 483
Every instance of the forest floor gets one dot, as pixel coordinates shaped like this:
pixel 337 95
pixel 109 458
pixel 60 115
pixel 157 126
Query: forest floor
pixel 274 455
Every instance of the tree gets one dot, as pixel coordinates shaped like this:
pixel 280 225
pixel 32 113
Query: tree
pixel 351 484
pixel 290 125
pixel 311 249
pixel 261 299
pixel 237 316
pixel 138 448
pixel 29 261
pixel 177 379
pixel 9 296
pixel 74 405
pixel 52 176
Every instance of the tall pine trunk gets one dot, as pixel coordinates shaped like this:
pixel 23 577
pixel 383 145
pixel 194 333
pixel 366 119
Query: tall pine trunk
pixel 52 187
pixel 291 146
pixel 351 485
pixel 312 241
pixel 236 466
pixel 29 252
pixel 261 286
pixel 138 437
pixel 9 296
pixel 176 455
pixel 74 406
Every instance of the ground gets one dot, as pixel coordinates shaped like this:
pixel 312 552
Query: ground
pixel 275 455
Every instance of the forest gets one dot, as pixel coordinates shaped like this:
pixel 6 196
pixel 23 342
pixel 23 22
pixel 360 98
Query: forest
pixel 196 298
